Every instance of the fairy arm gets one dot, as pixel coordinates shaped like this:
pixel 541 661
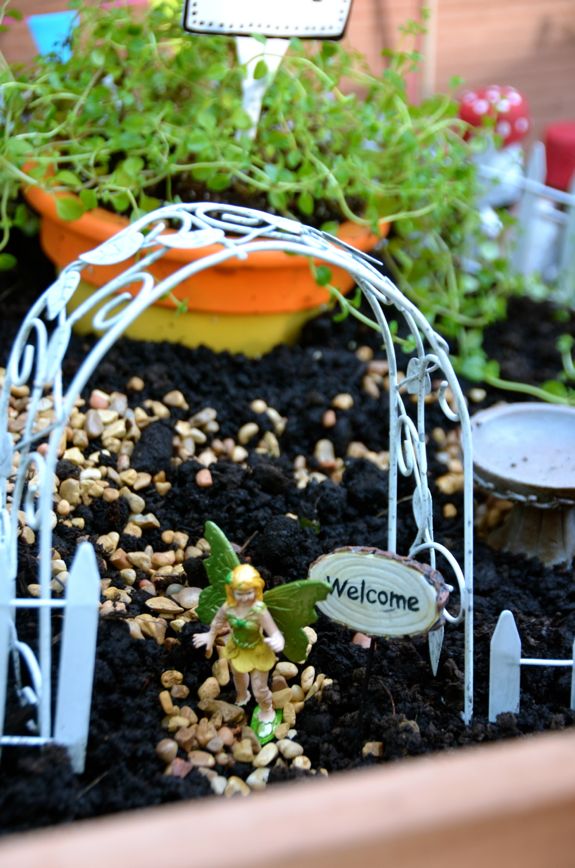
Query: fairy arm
pixel 275 638
pixel 216 627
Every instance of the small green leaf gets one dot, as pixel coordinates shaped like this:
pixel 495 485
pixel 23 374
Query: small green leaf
pixel 7 261
pixel 69 208
pixel 261 70
pixel 89 199
pixel 322 275
pixel 554 387
pixel 67 178
pixel 305 203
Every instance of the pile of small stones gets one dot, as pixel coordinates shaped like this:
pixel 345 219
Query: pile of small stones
pixel 213 737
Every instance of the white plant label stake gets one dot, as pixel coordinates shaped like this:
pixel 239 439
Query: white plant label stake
pixel 308 19
pixel 250 52
pixel 379 593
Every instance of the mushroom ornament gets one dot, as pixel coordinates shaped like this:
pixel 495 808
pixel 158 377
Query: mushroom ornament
pixel 505 108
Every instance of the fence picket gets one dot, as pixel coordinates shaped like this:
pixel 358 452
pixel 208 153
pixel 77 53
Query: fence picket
pixel 504 667
pixel 566 281
pixel 78 656
pixel 527 210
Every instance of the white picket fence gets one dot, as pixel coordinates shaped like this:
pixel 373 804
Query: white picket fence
pixel 544 241
pixel 505 667
pixel 79 607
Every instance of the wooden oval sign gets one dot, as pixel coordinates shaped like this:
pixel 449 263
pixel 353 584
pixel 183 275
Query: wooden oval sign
pixel 379 593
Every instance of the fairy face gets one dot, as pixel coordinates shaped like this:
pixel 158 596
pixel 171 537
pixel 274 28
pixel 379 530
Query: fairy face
pixel 244 596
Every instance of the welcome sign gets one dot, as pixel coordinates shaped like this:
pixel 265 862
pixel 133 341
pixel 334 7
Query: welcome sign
pixel 308 19
pixel 379 593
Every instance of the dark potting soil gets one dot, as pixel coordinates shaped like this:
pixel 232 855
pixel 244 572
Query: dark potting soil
pixel 401 705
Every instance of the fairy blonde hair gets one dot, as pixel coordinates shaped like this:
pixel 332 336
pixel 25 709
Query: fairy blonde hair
pixel 244 578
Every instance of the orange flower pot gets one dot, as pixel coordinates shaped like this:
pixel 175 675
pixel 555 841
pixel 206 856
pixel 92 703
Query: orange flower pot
pixel 241 305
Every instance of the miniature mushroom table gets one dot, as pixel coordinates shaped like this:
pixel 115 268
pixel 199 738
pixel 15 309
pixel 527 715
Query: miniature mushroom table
pixel 526 453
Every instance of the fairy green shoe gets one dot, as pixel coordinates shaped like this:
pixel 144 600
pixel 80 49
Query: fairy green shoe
pixel 265 730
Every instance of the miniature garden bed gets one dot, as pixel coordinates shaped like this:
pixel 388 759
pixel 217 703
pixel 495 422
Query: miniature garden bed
pixel 333 375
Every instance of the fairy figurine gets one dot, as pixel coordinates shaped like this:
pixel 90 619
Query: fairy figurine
pixel 261 624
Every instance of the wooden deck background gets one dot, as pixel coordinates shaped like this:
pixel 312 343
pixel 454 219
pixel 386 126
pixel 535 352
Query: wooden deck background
pixel 526 43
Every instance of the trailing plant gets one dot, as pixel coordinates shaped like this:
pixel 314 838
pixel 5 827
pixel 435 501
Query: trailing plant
pixel 142 113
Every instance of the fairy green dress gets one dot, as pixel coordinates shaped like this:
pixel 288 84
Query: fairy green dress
pixel 245 648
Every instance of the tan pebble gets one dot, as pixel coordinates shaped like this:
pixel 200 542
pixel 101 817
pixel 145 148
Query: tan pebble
pixel 128 576
pixel 168 706
pixel 247 732
pixel 142 480
pixel 298 706
pixel 99 400
pixel 307 678
pixel 370 387
pixel 185 736
pixel 329 419
pixel 109 542
pixel 247 432
pixel 163 606
pixel 136 384
pixel 258 779
pixel 167 749
pixel 372 748
pixel 179 768
pixel 282 731
pixel 28 535
pixel 155 629
pixel 179 691
pixel 187 597
pixel 204 478
pixel 225 760
pixel 324 454
pixel 281 697
pixel 218 785
pixel 301 762
pixel 140 560
pixel 289 714
pixel 74 455
pixel 242 751
pixel 221 671
pixel 315 688
pixel 269 445
pixel 163 487
pixel 215 744
pixel 297 693
pixel 364 353
pixel 136 503
pixel 63 508
pixel 286 669
pixel 110 494
pixel 311 635
pixel 147 587
pixel 135 629
pixel 258 406
pixel 289 749
pixel 163 559
pixel 342 401
pixel 210 689
pixel 450 483
pixel 175 399
pixel 449 510
pixel 267 754
pixel 477 395
pixel 231 714
pixel 201 759
pixel 239 454
pixel 278 683
pixel 170 677
pixel 227 736
pixel 236 787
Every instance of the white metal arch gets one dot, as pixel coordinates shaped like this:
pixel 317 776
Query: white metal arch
pixel 26 473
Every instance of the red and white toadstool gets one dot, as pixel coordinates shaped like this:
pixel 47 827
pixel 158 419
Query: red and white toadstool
pixel 502 103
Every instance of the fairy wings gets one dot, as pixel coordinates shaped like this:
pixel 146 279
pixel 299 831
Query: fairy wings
pixel 292 606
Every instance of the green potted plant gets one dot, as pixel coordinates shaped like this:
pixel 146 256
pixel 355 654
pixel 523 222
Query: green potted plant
pixel 143 113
